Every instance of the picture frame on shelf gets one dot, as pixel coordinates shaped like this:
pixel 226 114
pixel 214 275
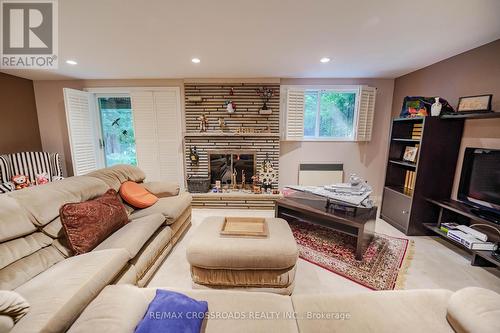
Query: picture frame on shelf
pixel 410 154
pixel 478 103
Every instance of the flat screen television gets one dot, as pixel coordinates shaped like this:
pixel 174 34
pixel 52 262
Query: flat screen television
pixel 480 182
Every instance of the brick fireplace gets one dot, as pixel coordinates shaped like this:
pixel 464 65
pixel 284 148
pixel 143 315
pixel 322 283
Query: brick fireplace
pixel 247 134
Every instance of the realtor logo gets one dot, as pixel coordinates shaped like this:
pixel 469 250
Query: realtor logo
pixel 29 34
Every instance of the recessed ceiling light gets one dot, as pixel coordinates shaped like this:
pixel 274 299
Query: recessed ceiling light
pixel 324 60
pixel 71 62
pixel 196 60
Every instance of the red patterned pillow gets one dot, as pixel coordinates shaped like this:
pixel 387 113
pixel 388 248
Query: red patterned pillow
pixel 86 224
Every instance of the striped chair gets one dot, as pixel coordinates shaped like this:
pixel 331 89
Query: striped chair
pixel 29 164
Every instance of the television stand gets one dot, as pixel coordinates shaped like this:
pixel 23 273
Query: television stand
pixel 460 213
pixel 484 214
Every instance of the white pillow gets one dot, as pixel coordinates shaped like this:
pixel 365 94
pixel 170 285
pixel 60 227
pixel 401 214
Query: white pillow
pixel 13 305
pixel 473 309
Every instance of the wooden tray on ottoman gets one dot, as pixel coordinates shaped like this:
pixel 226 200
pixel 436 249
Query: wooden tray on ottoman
pixel 244 227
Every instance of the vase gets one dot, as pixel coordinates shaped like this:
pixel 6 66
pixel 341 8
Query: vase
pixel 436 108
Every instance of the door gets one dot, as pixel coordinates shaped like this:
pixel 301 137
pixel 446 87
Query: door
pixel 83 134
pixel 157 121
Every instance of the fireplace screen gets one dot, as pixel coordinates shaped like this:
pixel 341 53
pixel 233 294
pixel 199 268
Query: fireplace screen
pixel 222 165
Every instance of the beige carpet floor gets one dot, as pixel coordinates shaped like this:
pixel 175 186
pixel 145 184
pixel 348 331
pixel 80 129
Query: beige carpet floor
pixel 435 264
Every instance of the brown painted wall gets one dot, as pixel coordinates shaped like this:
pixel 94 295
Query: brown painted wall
pixel 474 72
pixel 19 130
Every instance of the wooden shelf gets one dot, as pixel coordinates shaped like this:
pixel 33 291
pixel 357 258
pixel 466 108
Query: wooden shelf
pixel 484 115
pixel 434 228
pixel 406 140
pixel 401 189
pixel 403 163
pixel 409 119
pixel 479 257
pixel 230 134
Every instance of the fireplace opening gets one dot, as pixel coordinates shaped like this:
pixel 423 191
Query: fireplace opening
pixel 223 163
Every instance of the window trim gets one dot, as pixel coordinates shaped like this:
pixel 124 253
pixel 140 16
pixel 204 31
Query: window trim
pixel 337 89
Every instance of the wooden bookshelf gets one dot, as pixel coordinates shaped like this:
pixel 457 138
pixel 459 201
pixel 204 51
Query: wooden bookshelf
pixel 406 183
pixel 460 213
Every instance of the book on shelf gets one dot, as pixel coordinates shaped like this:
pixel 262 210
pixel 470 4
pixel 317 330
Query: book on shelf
pixel 416 132
pixel 410 180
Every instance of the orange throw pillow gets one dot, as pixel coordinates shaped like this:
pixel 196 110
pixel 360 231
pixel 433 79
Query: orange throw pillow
pixel 136 195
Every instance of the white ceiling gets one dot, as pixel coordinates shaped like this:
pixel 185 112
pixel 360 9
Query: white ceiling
pixel 114 39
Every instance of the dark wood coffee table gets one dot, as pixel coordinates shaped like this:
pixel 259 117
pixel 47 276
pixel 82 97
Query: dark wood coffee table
pixel 311 208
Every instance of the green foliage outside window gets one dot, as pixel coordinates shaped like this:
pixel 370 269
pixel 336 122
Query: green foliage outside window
pixel 118 131
pixel 336 114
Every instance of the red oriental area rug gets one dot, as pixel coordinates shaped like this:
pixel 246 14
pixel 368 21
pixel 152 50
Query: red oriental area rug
pixel 383 266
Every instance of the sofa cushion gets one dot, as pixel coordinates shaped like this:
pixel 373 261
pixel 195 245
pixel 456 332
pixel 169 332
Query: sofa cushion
pixel 382 311
pixel 13 305
pixel 170 207
pixel 58 295
pixel 28 267
pixel 136 195
pixel 207 249
pixel 44 202
pixel 162 189
pixel 150 252
pixel 16 249
pixel 114 176
pixel 474 310
pixel 54 228
pixel 132 236
pixel 14 221
pixel 120 308
pixel 6 324
pixel 87 224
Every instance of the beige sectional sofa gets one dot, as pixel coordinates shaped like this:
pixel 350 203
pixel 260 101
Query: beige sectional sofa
pixel 36 263
pixel 120 308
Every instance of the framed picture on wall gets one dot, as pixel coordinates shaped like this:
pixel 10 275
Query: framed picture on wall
pixel 475 103
pixel 410 154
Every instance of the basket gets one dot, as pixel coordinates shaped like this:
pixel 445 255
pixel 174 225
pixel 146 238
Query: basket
pixel 198 184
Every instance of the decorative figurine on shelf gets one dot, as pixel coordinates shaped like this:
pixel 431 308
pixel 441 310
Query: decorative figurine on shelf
pixel 267 174
pixel 222 124
pixel 231 91
pixel 436 107
pixel 230 106
pixel 255 184
pixel 193 155
pixel 243 179
pixel 203 123
pixel 266 94
pixel 234 185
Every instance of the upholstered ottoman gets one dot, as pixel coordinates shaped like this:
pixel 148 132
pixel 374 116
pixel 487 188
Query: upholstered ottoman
pixel 253 264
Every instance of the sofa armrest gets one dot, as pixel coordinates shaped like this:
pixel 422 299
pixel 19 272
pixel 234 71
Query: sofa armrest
pixel 162 189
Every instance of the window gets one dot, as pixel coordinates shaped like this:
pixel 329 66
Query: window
pixel 329 114
pixel 323 113
pixel 118 139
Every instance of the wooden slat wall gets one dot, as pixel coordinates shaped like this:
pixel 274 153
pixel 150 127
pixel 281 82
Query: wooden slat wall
pixel 248 104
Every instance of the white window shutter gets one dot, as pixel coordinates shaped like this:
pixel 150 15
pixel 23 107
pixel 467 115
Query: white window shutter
pixel 146 137
pixel 294 129
pixel 365 114
pixel 169 134
pixel 83 137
